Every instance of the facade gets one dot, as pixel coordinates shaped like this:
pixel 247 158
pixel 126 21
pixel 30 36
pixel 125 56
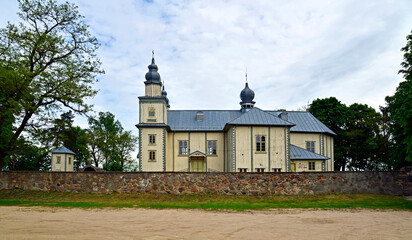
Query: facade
pixel 245 140
pixel 62 160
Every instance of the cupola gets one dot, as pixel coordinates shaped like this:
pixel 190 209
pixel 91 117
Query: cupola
pixel 247 95
pixel 152 77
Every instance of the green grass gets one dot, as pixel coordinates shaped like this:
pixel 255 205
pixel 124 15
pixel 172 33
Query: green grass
pixel 201 201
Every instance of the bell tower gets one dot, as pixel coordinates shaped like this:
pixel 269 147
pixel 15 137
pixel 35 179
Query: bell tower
pixel 152 122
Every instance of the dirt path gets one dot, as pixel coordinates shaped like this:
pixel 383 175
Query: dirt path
pixel 58 223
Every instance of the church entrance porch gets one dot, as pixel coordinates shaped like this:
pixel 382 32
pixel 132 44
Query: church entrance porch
pixel 197 162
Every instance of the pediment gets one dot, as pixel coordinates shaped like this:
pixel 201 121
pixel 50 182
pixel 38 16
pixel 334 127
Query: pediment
pixel 197 154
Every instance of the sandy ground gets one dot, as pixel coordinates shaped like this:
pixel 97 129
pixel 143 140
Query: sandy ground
pixel 60 223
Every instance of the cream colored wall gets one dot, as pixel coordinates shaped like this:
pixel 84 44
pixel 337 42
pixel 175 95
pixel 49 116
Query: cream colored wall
pixel 277 148
pixel 299 139
pixel 226 152
pixel 197 142
pixel 243 153
pixel 260 160
pixel 180 161
pixel 169 151
pixel 246 148
pixel 176 162
pixel 215 163
pixel 146 147
pixel 329 152
pixel 303 165
pixel 160 112
pixel 153 90
pixel 64 162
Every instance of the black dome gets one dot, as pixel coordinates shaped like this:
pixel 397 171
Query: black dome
pixel 247 94
pixel 164 94
pixel 152 76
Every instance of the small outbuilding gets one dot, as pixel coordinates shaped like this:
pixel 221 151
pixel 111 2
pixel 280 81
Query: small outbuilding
pixel 62 160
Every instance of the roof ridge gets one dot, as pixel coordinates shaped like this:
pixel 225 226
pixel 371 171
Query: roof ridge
pixel 281 118
pixel 242 115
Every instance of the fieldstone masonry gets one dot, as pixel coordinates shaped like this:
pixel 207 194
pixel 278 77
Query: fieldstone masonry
pixel 392 182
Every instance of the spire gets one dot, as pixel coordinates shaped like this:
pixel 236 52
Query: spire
pixel 153 77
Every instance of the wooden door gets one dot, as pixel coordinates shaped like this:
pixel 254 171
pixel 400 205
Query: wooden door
pixel 197 164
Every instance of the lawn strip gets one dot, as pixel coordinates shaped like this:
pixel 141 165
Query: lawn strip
pixel 201 201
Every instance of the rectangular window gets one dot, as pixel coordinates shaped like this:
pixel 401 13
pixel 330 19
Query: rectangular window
pixel 310 146
pixel 152 156
pixel 211 147
pixel 311 165
pixel 151 113
pixel 242 169
pixel 276 169
pixel 152 139
pixel 58 159
pixel 260 144
pixel 183 147
pixel 70 160
pixel 260 170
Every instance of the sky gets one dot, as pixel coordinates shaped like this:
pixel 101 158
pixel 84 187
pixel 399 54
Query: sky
pixel 294 51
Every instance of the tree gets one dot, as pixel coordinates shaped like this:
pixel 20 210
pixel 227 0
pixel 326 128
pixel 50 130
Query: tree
pixel 109 143
pixel 46 62
pixel 333 114
pixel 362 141
pixel 361 133
pixel 29 157
pixel 125 143
pixel 400 112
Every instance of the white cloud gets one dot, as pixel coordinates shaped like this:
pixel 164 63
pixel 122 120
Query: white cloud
pixel 294 51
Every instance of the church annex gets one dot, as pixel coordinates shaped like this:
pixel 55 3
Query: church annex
pixel 244 140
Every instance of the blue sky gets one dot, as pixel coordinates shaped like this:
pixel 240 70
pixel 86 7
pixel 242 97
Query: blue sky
pixel 294 51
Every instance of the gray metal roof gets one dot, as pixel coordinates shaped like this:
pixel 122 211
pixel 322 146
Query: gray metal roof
pixel 256 116
pixel 216 120
pixel 213 120
pixel 298 153
pixel 63 149
pixel 305 122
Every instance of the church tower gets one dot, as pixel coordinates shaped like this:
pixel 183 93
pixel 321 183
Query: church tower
pixel 152 122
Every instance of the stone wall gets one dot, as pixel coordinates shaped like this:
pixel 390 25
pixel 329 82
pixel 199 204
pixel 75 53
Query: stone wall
pixel 393 183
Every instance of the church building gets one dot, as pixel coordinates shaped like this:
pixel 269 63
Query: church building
pixel 248 139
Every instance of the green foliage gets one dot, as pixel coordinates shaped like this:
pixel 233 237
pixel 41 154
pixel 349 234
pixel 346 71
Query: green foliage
pixel 362 129
pixel 29 157
pixel 333 114
pixel 109 143
pixel 361 142
pixel 46 62
pixel 400 111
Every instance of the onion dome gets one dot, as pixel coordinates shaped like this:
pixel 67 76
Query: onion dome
pixel 164 94
pixel 247 95
pixel 152 77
